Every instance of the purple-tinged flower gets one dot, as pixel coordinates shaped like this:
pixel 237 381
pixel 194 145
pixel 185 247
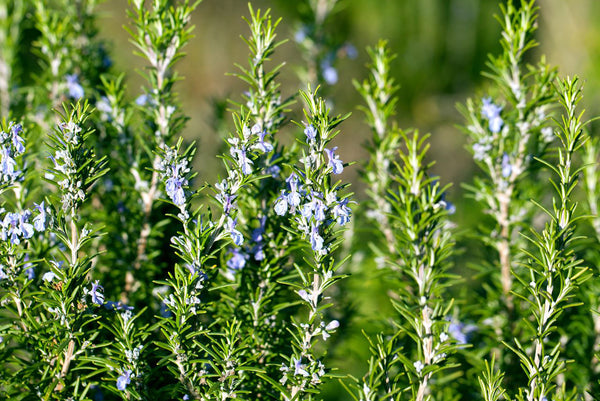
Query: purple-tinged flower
pixel 460 331
pixel 10 228
pixel 103 105
pixel 491 112
pixel 281 204
pixel 261 145
pixel 186 397
pixel 319 209
pixel 227 201
pixel 334 161
pixel 480 150
pixel 342 212
pixel 259 253
pixel 351 51
pixel 495 124
pixel 142 100
pixel 242 159
pixel 299 368
pixel 310 133
pixel 25 227
pixel 7 163
pixel 75 89
pixel 273 170
pixel 329 74
pixel 301 34
pixel 316 241
pixel 3 274
pixel 306 210
pixel 97 296
pixel 237 260
pixel 236 236
pixel 39 221
pixel 506 166
pixel 124 380
pixel 294 198
pixel 174 188
pixel 17 141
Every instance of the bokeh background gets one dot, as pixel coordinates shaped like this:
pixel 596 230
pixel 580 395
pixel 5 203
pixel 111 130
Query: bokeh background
pixel 442 47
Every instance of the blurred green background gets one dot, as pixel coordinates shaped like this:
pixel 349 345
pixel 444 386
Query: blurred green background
pixel 442 47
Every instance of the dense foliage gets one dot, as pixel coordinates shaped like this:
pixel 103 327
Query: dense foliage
pixel 125 275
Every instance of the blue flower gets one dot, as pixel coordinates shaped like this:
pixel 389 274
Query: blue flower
pixel 7 163
pixel 329 74
pixel 17 141
pixel 261 145
pixel 97 296
pixel 175 183
pixel 237 260
pixel 491 112
pixel 316 241
pixel 75 89
pixel 310 133
pixel 334 161
pixel 281 204
pixel 242 159
pixel 236 236
pixel 124 380
pixel 25 227
pixel 39 221
pixel 294 198
pixel 141 100
pixel 506 166
pixel 342 212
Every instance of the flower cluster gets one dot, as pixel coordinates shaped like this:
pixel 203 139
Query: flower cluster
pixel 174 171
pixel 311 208
pixel 244 151
pixel 491 113
pixel 12 145
pixel 16 226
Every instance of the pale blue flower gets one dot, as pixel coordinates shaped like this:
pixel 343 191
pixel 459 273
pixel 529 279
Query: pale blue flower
pixel 310 133
pixel 237 260
pixel 17 141
pixel 506 166
pixel 281 204
pixel 261 145
pixel 316 241
pixel 236 236
pixel 342 212
pixel 141 100
pixel 334 161
pixel 7 163
pixel 491 112
pixel 97 296
pixel 75 89
pixel 330 74
pixel 39 221
pixel 124 380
